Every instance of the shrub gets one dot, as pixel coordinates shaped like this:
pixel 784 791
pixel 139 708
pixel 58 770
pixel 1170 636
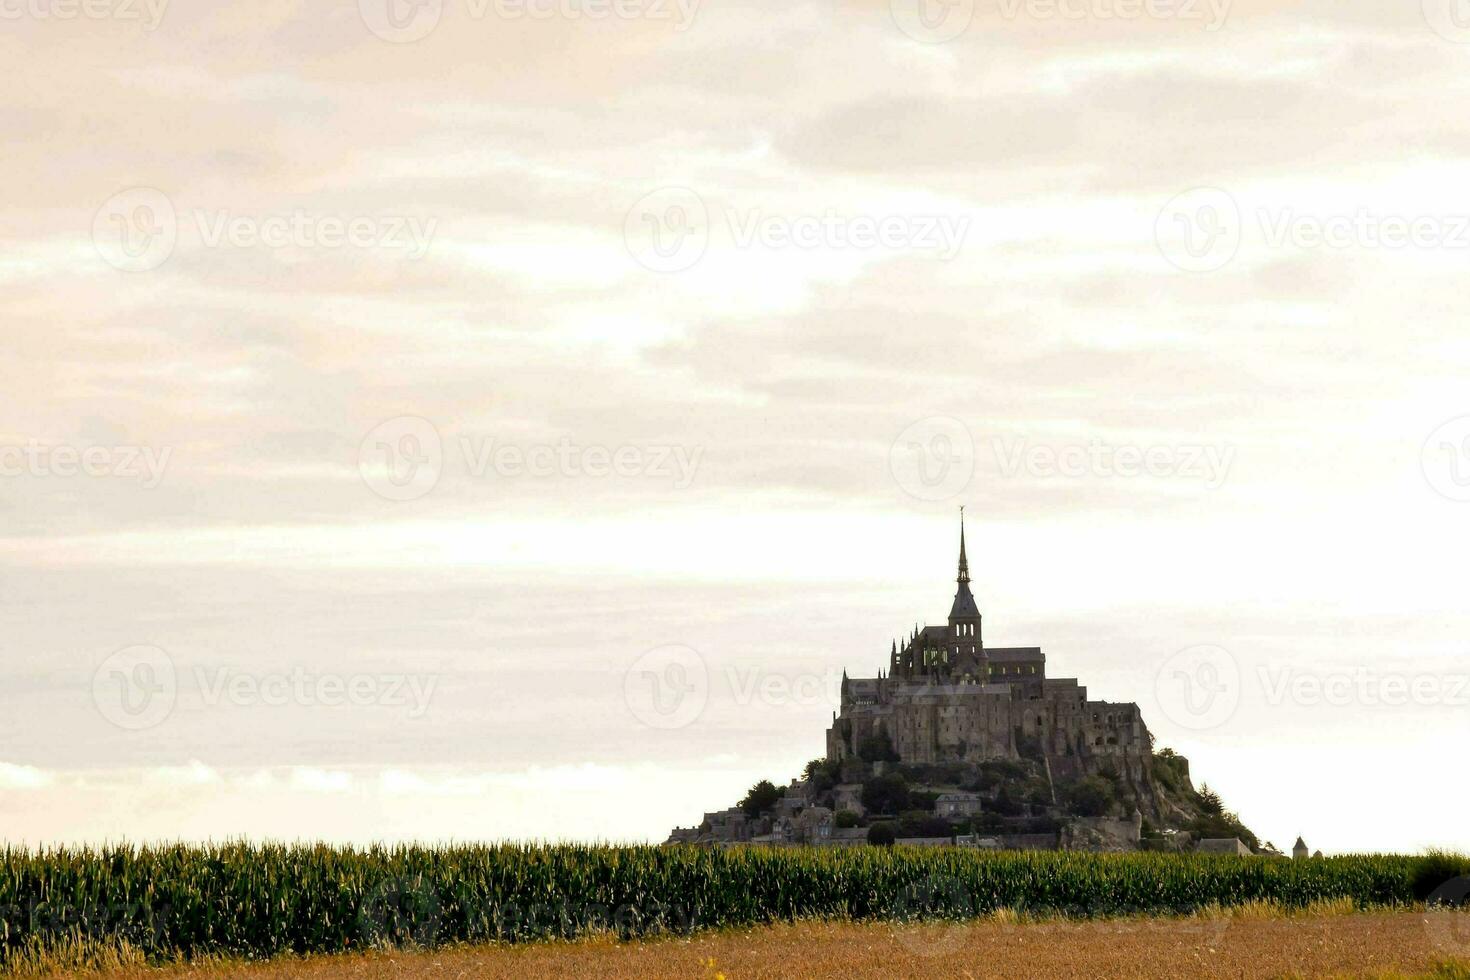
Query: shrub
pixel 886 794
pixel 761 799
pixel 877 747
pixel 1091 797
pixel 882 834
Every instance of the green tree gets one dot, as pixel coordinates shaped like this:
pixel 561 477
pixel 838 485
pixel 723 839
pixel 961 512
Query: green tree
pixel 822 774
pixel 761 798
pixel 877 747
pixel 922 799
pixel 845 819
pixel 882 834
pixel 920 823
pixel 1091 797
pixel 888 793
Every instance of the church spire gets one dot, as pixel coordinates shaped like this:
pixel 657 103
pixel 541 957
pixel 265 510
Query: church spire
pixel 964 608
pixel 964 577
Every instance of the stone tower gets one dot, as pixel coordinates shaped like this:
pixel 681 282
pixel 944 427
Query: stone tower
pixel 965 639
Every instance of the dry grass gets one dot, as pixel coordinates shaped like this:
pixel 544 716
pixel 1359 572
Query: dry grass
pixel 1248 942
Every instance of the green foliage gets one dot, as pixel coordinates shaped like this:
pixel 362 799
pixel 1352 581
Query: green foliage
pixel 822 774
pixel 987 823
pixel 888 793
pixel 1093 796
pixel 762 798
pixel 922 799
pixel 921 823
pixel 1439 869
pixel 1030 747
pixel 1217 822
pixel 1005 804
pixel 998 772
pixel 844 819
pixel 877 747
pixel 882 834
pixel 1171 771
pixel 255 901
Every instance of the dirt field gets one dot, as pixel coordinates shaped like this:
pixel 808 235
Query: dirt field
pixel 1340 945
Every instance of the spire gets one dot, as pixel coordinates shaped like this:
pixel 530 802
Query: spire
pixel 964 576
pixel 964 607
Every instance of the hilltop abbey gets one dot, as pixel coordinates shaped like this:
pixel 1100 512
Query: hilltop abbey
pixel 957 742
pixel 946 697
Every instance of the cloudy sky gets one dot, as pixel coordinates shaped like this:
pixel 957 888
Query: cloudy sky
pixel 507 418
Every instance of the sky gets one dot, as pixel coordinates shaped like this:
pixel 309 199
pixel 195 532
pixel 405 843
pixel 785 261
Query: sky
pixel 507 419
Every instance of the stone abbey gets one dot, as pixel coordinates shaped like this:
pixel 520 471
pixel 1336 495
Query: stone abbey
pixel 958 743
pixel 946 697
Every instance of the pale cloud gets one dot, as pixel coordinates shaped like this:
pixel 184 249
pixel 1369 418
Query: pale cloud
pixel 784 374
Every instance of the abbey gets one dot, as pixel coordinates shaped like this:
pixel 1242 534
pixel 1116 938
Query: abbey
pixel 947 697
pixel 959 743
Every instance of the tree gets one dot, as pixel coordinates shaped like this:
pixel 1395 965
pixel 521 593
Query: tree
pixel 761 798
pixel 845 819
pixel 920 823
pixel 922 799
pixel 1091 797
pixel 1005 804
pixel 877 747
pixel 888 793
pixel 882 834
pixel 1210 802
pixel 822 774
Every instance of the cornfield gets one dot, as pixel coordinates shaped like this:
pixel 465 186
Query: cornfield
pixel 257 901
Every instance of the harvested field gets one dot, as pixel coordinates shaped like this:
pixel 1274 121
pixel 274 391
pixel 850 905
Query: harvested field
pixel 1241 945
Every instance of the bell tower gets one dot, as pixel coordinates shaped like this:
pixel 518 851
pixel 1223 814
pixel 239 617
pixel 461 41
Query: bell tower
pixel 965 642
